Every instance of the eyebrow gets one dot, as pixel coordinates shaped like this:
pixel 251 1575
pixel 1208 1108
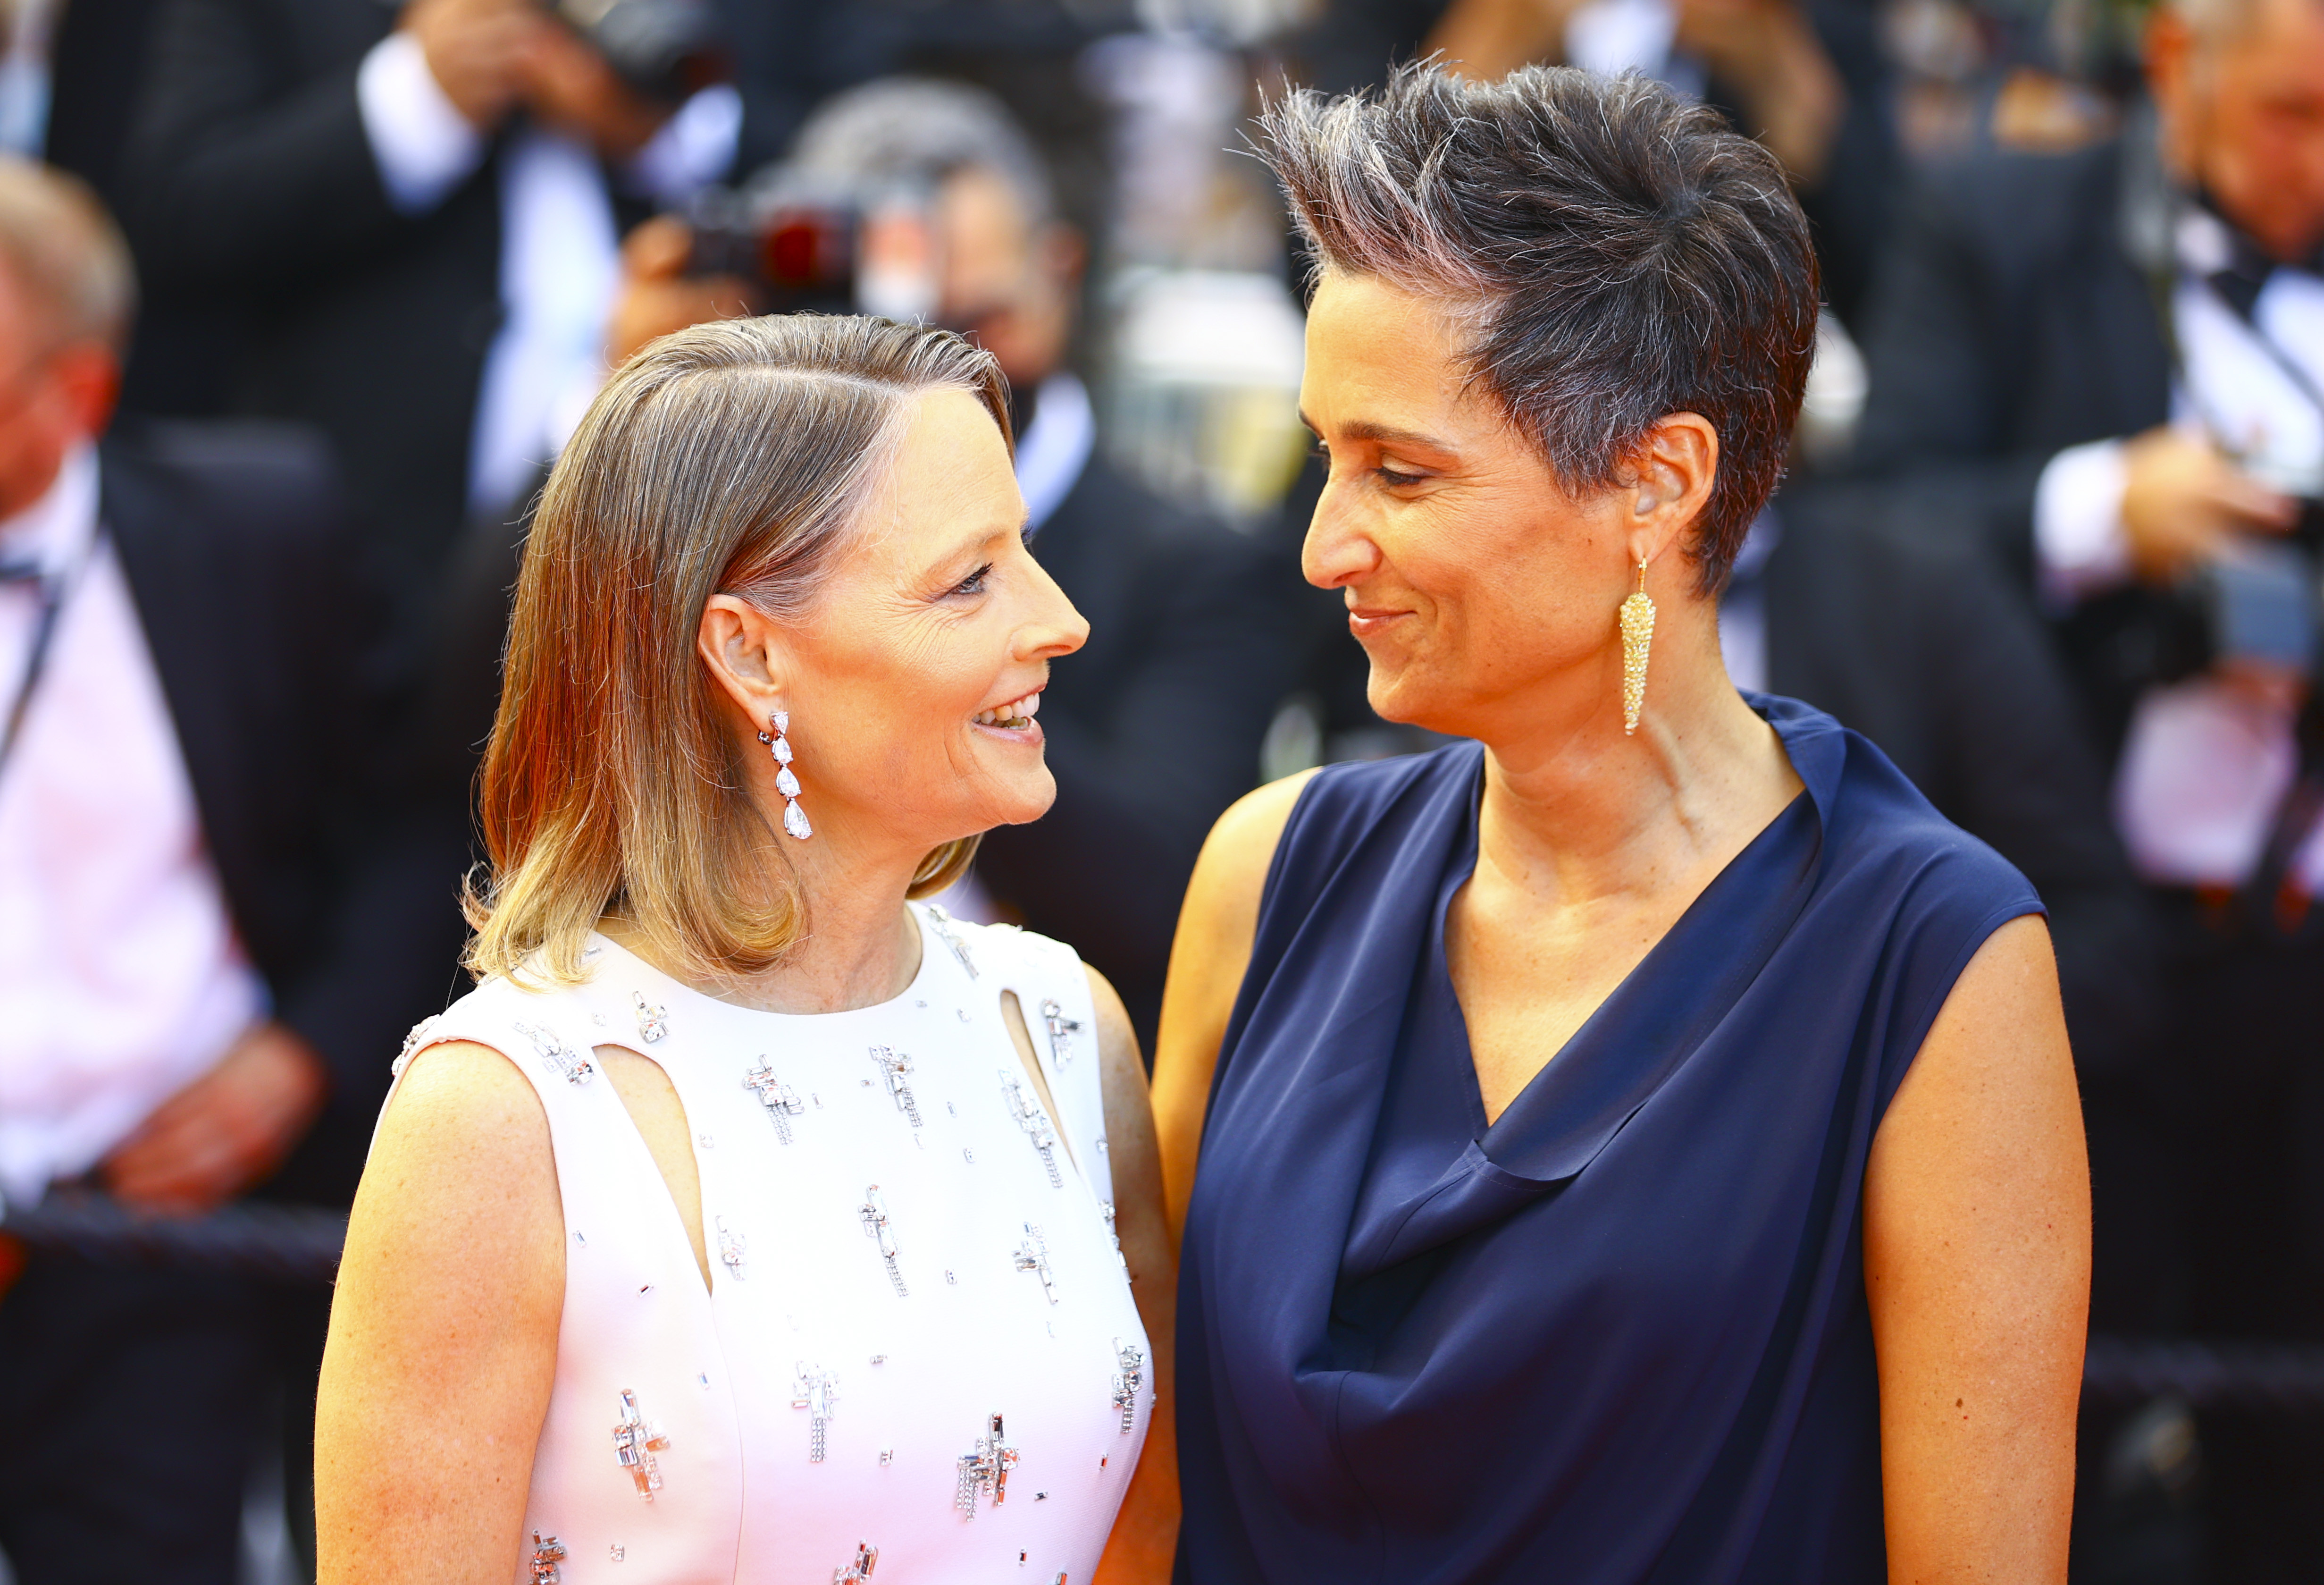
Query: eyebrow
pixel 1365 430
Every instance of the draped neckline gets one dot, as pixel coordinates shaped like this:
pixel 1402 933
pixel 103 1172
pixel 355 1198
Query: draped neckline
pixel 1632 1042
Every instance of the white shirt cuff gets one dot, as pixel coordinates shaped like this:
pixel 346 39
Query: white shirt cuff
pixel 694 148
pixel 2077 535
pixel 424 146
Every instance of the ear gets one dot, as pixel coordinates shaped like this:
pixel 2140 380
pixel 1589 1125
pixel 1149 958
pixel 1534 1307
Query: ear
pixel 88 372
pixel 746 655
pixel 1063 253
pixel 2169 45
pixel 1674 467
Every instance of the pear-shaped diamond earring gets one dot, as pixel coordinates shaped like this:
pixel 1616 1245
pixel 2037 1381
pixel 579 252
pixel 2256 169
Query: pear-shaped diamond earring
pixel 785 783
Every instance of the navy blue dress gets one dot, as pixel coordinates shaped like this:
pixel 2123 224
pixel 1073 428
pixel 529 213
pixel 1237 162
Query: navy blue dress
pixel 1621 1335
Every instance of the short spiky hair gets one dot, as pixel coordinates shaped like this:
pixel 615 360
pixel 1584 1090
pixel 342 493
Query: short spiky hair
pixel 1613 254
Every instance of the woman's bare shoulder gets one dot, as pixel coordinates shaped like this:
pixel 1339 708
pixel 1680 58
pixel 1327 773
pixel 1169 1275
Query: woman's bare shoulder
pixel 1216 928
pixel 1232 872
pixel 463 1157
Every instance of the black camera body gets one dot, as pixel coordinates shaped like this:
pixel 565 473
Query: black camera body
pixel 666 49
pixel 806 247
pixel 2261 602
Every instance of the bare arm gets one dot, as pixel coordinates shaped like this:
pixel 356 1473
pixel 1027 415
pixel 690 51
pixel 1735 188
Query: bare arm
pixel 1976 1241
pixel 1207 959
pixel 1145 1537
pixel 450 1294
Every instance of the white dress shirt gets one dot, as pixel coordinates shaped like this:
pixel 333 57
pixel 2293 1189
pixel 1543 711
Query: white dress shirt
pixel 121 979
pixel 559 265
pixel 2206 763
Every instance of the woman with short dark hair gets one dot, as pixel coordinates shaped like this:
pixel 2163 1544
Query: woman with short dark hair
pixel 1639 1144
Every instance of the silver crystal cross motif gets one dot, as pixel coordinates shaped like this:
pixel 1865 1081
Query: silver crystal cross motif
pixel 781 1101
pixel 654 1022
pixel 1062 1031
pixel 1035 1121
pixel 548 1551
pixel 558 1057
pixel 1131 1359
pixel 867 1558
pixel 984 1467
pixel 893 1066
pixel 815 1390
pixel 941 922
pixel 1106 1207
pixel 1033 1255
pixel 873 1213
pixel 730 1248
pixel 636 1440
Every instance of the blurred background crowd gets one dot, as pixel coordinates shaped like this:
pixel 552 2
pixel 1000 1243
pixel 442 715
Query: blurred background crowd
pixel 297 299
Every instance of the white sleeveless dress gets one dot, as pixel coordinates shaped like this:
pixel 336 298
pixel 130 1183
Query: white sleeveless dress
pixel 917 1359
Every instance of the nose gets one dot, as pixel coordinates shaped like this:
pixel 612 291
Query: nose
pixel 1337 551
pixel 1053 627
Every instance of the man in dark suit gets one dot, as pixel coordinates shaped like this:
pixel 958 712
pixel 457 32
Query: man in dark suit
pixel 2108 367
pixel 413 213
pixel 208 946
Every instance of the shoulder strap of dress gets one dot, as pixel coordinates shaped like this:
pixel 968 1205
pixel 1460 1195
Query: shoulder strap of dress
pixel 541 1033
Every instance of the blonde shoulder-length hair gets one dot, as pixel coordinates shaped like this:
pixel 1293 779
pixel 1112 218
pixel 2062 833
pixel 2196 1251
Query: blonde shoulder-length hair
pixel 730 458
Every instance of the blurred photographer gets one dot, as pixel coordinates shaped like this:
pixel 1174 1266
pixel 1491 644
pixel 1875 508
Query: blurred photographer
pixel 416 213
pixel 1154 727
pixel 2111 364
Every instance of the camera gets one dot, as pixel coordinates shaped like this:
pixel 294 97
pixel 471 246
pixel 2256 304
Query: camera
pixel 809 247
pixel 666 49
pixel 2260 601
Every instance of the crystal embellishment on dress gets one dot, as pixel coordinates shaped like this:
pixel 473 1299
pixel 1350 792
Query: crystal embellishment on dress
pixel 730 1248
pixel 786 781
pixel 1035 1121
pixel 1105 1207
pixel 867 1558
pixel 983 1469
pixel 941 922
pixel 815 1390
pixel 654 1022
pixel 617 1552
pixel 893 1066
pixel 1131 1362
pixel 873 1213
pixel 413 1041
pixel 558 1057
pixel 548 1551
pixel 781 1101
pixel 1033 1255
pixel 1062 1031
pixel 636 1440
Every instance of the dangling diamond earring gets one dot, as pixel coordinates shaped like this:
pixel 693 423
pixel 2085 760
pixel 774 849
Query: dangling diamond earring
pixel 785 783
pixel 1638 631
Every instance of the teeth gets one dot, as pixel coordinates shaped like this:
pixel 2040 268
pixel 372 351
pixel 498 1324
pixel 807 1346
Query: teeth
pixel 1016 711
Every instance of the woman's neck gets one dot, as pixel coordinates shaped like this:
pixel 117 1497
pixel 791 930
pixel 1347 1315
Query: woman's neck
pixel 1578 814
pixel 858 947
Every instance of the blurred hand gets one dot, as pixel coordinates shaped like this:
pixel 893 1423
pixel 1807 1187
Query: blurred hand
pixel 658 296
pixel 226 1130
pixel 2182 499
pixel 480 52
pixel 1767 53
pixel 570 88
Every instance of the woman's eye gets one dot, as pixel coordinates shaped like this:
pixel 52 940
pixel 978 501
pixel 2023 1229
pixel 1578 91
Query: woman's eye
pixel 974 582
pixel 1392 479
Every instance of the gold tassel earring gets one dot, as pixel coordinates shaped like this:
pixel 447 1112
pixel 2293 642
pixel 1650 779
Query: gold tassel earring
pixel 1638 633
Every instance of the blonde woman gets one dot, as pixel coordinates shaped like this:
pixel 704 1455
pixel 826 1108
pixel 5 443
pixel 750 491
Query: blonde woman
pixel 748 1221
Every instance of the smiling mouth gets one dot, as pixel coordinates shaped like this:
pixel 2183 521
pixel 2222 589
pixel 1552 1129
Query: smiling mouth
pixel 1014 716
